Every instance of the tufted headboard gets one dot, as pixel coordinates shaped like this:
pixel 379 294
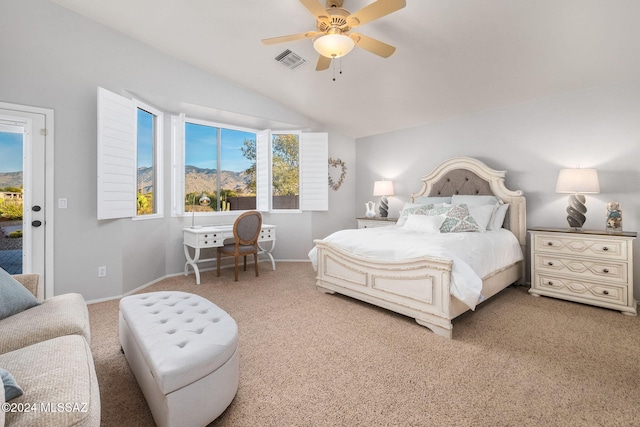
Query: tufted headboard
pixel 469 176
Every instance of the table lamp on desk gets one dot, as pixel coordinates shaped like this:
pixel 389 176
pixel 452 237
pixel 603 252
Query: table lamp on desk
pixel 202 201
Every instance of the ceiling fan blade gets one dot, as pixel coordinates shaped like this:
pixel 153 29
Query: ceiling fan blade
pixel 372 45
pixel 323 63
pixel 290 38
pixel 374 11
pixel 317 10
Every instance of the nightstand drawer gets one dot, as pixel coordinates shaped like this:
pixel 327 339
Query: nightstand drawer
pixel 579 290
pixel 581 246
pixel 588 269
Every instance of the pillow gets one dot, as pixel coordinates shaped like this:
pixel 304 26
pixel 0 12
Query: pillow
pixel 412 209
pixel 482 214
pixel 474 200
pixel 11 388
pixel 424 223
pixel 432 200
pixel 498 217
pixel 14 297
pixel 458 219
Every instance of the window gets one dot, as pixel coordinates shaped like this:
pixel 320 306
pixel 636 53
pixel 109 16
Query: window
pixel 285 171
pixel 149 161
pixel 219 168
pixel 129 158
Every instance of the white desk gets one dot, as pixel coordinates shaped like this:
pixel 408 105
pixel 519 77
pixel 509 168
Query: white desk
pixel 213 236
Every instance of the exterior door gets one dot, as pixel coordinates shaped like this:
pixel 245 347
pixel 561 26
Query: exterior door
pixel 25 223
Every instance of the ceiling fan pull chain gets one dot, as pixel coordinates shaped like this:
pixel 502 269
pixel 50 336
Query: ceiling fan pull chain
pixel 333 68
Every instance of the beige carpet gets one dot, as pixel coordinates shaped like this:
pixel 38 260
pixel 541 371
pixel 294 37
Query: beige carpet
pixel 310 359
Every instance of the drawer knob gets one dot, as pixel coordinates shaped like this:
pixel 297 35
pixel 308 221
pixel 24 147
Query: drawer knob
pixel 550 243
pixel 606 270
pixel 605 248
pixel 605 292
pixel 549 263
pixel 550 283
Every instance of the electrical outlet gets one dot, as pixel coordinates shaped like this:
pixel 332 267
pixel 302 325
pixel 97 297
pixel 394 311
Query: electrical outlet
pixel 102 271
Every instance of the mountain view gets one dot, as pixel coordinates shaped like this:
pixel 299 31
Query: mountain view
pixel 200 180
pixel 11 179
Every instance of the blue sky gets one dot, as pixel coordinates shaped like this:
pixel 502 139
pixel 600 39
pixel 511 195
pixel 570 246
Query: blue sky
pixel 145 139
pixel 201 152
pixel 10 152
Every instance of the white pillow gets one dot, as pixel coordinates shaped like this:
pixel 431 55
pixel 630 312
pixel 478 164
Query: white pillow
pixel 473 200
pixel 498 217
pixel 424 223
pixel 483 215
pixel 411 209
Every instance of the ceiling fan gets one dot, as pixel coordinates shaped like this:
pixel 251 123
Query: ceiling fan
pixel 333 38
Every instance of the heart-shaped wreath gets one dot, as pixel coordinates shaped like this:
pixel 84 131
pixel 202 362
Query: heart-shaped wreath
pixel 335 163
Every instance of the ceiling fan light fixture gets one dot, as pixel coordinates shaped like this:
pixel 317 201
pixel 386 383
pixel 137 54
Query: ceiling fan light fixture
pixel 333 45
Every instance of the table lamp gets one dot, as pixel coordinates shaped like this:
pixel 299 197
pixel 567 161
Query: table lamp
pixel 383 189
pixel 204 200
pixel 577 182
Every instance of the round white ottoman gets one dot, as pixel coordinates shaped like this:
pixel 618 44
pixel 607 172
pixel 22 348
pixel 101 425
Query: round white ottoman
pixel 183 351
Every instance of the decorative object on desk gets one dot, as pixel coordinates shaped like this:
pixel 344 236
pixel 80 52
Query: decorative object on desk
pixel 577 182
pixel 204 200
pixel 383 189
pixel 371 209
pixel 614 218
pixel 335 163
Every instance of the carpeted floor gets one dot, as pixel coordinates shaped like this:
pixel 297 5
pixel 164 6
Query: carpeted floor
pixel 310 359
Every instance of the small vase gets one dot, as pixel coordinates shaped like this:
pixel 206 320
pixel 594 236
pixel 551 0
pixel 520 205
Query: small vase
pixel 614 218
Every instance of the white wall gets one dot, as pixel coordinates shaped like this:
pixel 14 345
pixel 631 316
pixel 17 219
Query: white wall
pixel 597 128
pixel 54 58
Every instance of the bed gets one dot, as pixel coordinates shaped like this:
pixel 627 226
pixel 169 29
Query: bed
pixel 424 287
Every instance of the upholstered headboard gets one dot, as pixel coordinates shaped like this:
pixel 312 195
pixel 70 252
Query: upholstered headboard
pixel 469 176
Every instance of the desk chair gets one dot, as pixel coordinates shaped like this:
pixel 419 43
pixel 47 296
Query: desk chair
pixel 246 230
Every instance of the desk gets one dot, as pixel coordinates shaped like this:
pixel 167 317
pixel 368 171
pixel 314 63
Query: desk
pixel 213 236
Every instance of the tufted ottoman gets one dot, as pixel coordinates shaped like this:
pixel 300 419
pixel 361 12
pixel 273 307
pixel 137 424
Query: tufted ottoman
pixel 183 351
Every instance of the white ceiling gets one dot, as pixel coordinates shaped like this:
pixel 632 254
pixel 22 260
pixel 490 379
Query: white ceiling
pixel 453 58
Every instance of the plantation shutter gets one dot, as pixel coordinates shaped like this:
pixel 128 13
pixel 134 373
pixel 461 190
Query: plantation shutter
pixel 116 156
pixel 314 172
pixel 263 170
pixel 177 166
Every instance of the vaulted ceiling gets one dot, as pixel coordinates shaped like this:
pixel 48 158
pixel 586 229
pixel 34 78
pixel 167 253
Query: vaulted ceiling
pixel 453 58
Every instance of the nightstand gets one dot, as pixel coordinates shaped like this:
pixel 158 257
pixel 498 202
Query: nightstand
pixel 586 266
pixel 375 222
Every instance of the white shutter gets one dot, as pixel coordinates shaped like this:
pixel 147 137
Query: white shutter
pixel 314 172
pixel 263 170
pixel 116 156
pixel 177 164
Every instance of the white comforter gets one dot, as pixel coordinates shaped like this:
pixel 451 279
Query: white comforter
pixel 474 255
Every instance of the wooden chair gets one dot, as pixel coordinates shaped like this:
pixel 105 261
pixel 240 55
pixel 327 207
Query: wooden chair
pixel 246 230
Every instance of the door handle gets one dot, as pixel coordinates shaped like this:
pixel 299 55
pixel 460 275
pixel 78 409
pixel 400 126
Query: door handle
pixel 36 223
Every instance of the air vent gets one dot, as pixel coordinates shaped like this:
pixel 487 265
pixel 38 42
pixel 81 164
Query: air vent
pixel 290 60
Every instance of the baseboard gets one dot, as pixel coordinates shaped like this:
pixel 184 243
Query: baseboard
pixel 153 282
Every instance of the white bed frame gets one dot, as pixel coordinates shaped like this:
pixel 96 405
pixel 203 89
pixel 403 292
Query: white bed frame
pixel 420 287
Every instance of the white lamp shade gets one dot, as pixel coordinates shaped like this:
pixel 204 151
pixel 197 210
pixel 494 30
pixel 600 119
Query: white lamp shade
pixel 583 181
pixel 383 188
pixel 333 45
